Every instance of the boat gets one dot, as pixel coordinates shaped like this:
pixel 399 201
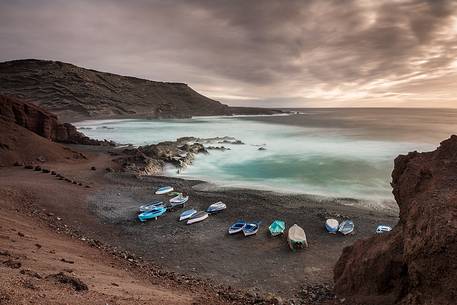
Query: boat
pixel 150 206
pixel 152 214
pixel 332 225
pixel 179 200
pixel 164 189
pixel 197 217
pixel 296 237
pixel 251 228
pixel 383 229
pixel 277 227
pixel 187 214
pixel 346 227
pixel 237 227
pixel 216 207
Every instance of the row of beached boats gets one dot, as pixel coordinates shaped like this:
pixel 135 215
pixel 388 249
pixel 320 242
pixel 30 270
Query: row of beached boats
pixel 153 210
pixel 296 236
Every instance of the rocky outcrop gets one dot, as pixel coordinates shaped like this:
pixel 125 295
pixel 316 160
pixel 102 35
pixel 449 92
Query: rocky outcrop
pixel 415 263
pixel 42 122
pixel 75 93
pixel 150 159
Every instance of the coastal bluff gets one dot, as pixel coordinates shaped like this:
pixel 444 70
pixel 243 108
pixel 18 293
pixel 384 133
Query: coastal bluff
pixel 29 134
pixel 74 93
pixel 415 263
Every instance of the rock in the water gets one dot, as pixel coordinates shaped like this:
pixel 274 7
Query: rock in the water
pixel 415 263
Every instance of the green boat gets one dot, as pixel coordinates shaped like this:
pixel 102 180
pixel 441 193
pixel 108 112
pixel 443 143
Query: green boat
pixel 277 227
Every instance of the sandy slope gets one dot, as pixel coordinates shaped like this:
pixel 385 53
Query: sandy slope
pixel 31 252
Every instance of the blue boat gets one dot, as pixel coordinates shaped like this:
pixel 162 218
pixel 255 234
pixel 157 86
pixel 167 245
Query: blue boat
pixel 237 227
pixel 332 225
pixel 346 227
pixel 187 214
pixel 149 206
pixel 251 228
pixel 164 189
pixel 152 214
pixel 277 227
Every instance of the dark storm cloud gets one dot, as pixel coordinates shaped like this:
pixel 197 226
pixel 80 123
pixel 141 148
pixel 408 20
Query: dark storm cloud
pixel 248 51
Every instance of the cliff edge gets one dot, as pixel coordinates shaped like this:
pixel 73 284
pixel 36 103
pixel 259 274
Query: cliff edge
pixel 415 263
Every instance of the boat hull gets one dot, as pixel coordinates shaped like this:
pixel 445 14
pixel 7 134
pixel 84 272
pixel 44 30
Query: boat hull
pixel 331 225
pixel 164 190
pixel 197 219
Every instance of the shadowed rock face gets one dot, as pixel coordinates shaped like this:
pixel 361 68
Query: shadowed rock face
pixel 41 122
pixel 75 93
pixel 416 262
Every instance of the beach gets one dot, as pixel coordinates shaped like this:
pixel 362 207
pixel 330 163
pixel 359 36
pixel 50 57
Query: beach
pixel 106 211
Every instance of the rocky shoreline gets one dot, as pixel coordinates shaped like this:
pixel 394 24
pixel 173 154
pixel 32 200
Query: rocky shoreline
pixel 151 159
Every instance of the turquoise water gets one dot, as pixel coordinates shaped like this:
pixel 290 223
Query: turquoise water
pixel 301 156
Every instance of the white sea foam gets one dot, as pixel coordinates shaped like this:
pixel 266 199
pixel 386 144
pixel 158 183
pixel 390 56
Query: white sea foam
pixel 321 160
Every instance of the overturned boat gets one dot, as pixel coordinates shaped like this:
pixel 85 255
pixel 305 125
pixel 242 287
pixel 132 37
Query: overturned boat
pixel 296 238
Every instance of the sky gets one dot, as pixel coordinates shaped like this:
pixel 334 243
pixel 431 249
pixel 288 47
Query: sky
pixel 342 53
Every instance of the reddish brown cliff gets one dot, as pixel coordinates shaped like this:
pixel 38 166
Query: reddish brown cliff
pixel 416 262
pixel 41 122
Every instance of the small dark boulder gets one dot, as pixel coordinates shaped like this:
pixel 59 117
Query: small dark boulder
pixel 72 281
pixel 37 168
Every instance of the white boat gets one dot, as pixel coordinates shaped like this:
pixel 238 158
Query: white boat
pixel 178 200
pixel 216 207
pixel 383 229
pixel 346 227
pixel 251 228
pixel 150 206
pixel 197 217
pixel 164 189
pixel 332 225
pixel 296 237
pixel 237 227
pixel 187 214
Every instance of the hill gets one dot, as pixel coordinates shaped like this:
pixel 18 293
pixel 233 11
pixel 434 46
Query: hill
pixel 75 93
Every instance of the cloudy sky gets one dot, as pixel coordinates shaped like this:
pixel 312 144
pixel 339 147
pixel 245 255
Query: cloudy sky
pixel 266 53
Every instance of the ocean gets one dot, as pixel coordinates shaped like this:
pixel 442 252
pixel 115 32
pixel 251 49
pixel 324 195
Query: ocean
pixel 341 153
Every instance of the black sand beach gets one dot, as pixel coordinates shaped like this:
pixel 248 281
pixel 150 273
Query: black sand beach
pixel 107 212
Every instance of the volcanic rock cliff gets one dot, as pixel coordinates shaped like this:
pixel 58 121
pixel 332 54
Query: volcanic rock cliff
pixel 41 122
pixel 416 262
pixel 76 93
